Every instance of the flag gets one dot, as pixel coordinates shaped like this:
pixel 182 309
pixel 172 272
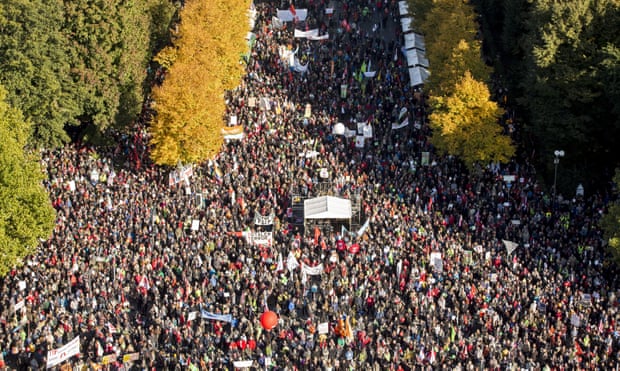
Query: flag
pixel 292 10
pixel 452 334
pixel 348 333
pixel 291 262
pixel 280 266
pixel 144 283
pixel 317 234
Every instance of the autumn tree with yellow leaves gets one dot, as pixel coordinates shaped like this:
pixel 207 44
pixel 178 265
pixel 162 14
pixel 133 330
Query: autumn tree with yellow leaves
pixel 465 124
pixel 202 63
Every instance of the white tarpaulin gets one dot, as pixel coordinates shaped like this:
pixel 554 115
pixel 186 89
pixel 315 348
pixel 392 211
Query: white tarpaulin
pixel 418 76
pixel 403 8
pixel 406 24
pixel 288 16
pixel 416 58
pixel 414 41
pixel 327 207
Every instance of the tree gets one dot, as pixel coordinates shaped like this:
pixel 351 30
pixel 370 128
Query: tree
pixel 82 61
pixel 465 124
pixel 35 68
pixel 610 222
pixel 203 63
pixel 452 46
pixel 26 214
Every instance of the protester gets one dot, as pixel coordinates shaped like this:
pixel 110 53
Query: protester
pixel 137 266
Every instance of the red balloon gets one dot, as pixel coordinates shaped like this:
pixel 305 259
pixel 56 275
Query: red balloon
pixel 269 320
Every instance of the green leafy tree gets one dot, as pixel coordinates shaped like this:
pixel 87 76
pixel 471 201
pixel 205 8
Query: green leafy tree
pixel 75 62
pixel 610 222
pixel 26 214
pixel 35 67
pixel 465 124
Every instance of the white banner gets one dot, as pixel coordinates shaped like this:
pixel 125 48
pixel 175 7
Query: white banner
pixel 263 220
pixel 304 34
pixel 367 131
pixel 288 16
pixel 359 141
pixel 312 271
pixel 318 38
pixel 261 238
pixel 243 364
pixel 404 123
pixel 63 353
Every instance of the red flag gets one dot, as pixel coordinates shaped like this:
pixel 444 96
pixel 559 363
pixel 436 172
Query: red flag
pixel 317 234
pixel 292 10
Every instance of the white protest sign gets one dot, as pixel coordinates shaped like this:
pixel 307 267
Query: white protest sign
pixel 63 353
pixel 195 224
pixel 323 328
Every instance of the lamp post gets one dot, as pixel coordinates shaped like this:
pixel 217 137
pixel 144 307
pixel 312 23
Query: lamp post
pixel 556 160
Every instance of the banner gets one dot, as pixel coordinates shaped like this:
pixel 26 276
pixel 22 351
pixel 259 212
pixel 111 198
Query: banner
pixel 288 16
pixel 131 357
pixel 323 328
pixel 403 123
pixel 468 257
pixel 63 353
pixel 359 141
pixel 291 262
pixel 319 38
pixel 263 220
pixel 370 74
pixel 243 364
pixel 178 176
pixel 312 271
pixel 216 317
pixel 304 34
pixel 260 238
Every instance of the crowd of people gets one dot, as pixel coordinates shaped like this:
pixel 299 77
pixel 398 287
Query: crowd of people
pixel 454 269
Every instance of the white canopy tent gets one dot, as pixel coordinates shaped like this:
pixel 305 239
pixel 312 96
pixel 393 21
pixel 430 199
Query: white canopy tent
pixel 414 41
pixel 403 8
pixel 418 76
pixel 406 24
pixel 327 207
pixel 416 58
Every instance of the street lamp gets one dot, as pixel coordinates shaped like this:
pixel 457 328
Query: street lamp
pixel 556 160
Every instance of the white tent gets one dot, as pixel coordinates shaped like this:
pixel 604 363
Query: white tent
pixel 403 8
pixel 414 41
pixel 418 76
pixel 416 58
pixel 406 24
pixel 327 207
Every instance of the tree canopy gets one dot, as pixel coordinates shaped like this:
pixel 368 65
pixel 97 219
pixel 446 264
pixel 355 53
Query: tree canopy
pixel 78 62
pixel 560 63
pixel 464 119
pixel 26 214
pixel 203 62
pixel 465 124
pixel 610 222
